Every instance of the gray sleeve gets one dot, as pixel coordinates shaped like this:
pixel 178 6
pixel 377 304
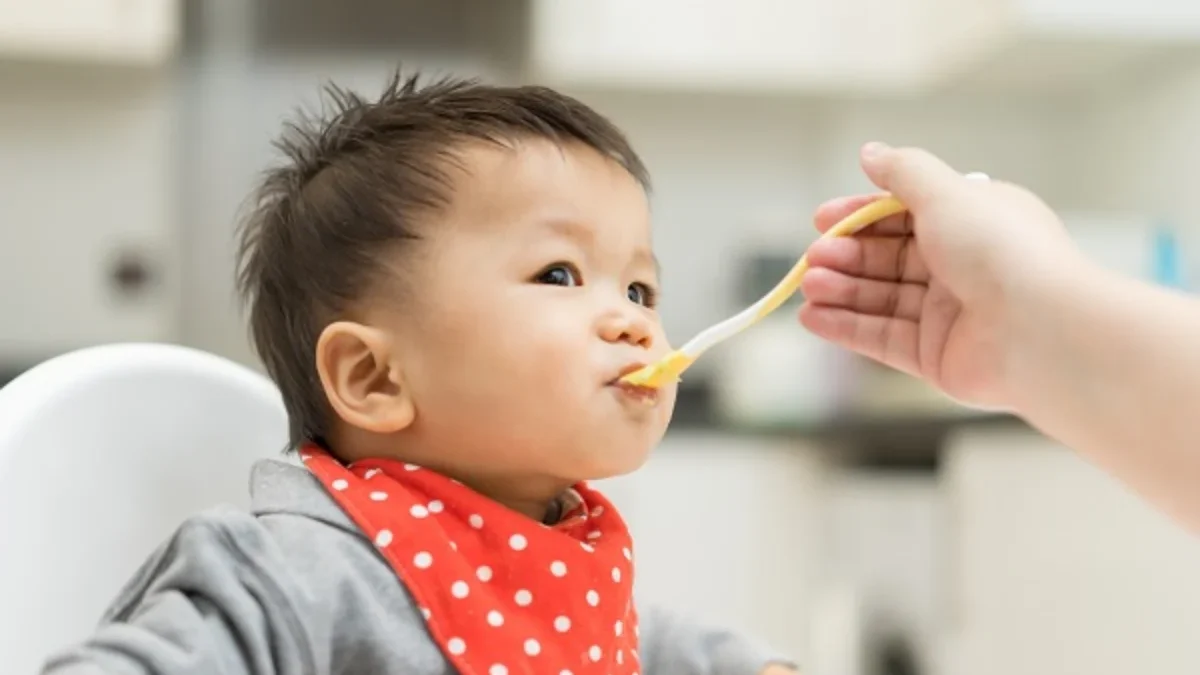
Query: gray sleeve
pixel 209 600
pixel 674 645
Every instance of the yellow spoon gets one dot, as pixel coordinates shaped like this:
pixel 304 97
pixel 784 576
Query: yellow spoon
pixel 671 366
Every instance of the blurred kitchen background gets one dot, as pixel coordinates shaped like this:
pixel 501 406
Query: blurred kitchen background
pixel 846 514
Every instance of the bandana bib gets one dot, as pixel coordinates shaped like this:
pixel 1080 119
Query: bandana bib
pixel 501 594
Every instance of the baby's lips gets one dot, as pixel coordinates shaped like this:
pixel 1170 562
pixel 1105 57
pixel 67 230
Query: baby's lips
pixel 631 368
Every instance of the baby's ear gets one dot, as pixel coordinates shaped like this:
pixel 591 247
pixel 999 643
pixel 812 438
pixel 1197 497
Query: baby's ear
pixel 360 377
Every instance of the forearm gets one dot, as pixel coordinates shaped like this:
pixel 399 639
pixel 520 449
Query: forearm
pixel 1111 368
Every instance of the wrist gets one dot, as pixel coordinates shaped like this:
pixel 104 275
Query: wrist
pixel 1038 311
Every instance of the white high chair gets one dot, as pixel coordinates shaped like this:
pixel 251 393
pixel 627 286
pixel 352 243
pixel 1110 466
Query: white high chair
pixel 103 452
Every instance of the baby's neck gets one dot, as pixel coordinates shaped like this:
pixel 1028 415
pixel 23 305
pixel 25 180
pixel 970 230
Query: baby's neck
pixel 536 496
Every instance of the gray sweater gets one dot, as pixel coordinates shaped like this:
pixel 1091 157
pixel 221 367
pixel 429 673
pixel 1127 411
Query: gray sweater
pixel 294 588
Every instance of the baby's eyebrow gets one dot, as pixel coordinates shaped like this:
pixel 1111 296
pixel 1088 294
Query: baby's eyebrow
pixel 571 229
pixel 646 257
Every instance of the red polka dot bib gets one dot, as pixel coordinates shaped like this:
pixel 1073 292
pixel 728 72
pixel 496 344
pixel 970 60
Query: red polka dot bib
pixel 501 593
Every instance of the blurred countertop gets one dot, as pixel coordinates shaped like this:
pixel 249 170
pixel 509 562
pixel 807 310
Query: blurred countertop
pixel 878 438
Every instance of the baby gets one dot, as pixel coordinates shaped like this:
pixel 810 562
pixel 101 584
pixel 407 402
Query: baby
pixel 446 284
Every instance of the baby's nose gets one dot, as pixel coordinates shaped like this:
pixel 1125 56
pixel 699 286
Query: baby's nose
pixel 629 327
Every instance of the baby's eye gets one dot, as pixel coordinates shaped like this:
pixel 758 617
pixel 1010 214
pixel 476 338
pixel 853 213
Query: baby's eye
pixel 642 294
pixel 559 275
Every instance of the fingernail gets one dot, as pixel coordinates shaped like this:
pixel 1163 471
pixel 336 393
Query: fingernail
pixel 874 149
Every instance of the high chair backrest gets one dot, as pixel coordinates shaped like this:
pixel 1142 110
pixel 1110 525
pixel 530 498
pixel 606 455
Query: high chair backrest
pixel 103 452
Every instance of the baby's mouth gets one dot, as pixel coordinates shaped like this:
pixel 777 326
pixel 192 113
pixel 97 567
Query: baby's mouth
pixel 645 395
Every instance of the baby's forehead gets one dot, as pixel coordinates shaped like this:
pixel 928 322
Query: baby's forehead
pixel 565 188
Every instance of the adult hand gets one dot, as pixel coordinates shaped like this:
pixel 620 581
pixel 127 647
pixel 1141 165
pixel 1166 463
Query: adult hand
pixel 934 291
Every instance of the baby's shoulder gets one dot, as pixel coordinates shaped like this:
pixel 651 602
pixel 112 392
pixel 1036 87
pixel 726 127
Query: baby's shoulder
pixel 329 555
pixel 268 585
pixel 348 596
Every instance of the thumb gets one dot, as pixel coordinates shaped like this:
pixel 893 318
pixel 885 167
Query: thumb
pixel 913 175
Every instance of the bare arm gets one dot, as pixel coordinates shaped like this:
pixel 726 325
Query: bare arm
pixel 1111 367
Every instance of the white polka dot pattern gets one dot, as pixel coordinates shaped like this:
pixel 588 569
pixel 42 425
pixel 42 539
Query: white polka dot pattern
pixel 500 592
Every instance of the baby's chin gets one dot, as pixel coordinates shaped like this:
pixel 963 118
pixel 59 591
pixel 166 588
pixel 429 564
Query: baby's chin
pixel 614 457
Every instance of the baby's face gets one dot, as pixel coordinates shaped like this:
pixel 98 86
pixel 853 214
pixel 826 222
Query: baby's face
pixel 532 294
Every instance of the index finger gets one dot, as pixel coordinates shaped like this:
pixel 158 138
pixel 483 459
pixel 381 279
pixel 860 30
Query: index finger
pixel 834 210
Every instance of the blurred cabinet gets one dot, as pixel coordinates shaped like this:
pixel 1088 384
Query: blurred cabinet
pixel 1048 45
pixel 88 222
pixel 855 46
pixel 1057 568
pixel 749 45
pixel 100 31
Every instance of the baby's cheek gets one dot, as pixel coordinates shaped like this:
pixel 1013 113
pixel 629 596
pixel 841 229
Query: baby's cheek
pixel 558 375
pixel 557 345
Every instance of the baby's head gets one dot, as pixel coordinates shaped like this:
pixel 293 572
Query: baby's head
pixel 454 275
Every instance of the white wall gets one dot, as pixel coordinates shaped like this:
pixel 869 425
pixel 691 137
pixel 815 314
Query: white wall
pixel 1137 148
